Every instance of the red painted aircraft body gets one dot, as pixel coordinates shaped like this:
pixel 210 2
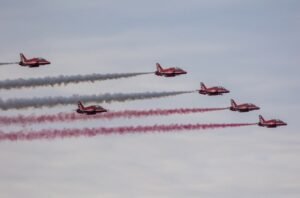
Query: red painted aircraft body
pixel 169 72
pixel 90 109
pixel 212 91
pixel 243 107
pixel 34 62
pixel 270 123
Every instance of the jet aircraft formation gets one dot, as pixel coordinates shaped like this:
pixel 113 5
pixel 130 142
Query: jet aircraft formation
pixel 163 72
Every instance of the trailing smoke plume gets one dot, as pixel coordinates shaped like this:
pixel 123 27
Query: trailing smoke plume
pixel 91 132
pixel 9 63
pixel 59 80
pixel 22 103
pixel 68 117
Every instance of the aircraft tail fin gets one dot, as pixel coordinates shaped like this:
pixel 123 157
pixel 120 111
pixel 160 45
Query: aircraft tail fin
pixel 233 104
pixel 261 119
pixel 80 105
pixel 22 58
pixel 158 67
pixel 202 85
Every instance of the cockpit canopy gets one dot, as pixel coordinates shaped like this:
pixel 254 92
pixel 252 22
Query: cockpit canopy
pixel 41 59
pixel 177 68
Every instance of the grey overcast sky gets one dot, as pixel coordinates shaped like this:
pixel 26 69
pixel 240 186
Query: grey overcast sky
pixel 249 46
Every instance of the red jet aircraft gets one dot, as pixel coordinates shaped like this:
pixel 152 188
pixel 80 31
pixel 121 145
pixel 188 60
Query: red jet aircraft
pixel 90 109
pixel 168 72
pixel 34 62
pixel 270 123
pixel 212 91
pixel 243 107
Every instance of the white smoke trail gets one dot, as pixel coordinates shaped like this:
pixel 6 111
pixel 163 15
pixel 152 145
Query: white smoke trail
pixel 12 63
pixel 59 80
pixel 22 103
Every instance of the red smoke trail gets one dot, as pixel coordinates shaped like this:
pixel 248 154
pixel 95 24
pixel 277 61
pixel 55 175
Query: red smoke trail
pixel 67 117
pixel 90 132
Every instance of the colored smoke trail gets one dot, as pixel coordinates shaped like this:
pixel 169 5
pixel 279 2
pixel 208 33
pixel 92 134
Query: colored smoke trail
pixel 91 132
pixel 68 117
pixel 63 80
pixel 22 103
